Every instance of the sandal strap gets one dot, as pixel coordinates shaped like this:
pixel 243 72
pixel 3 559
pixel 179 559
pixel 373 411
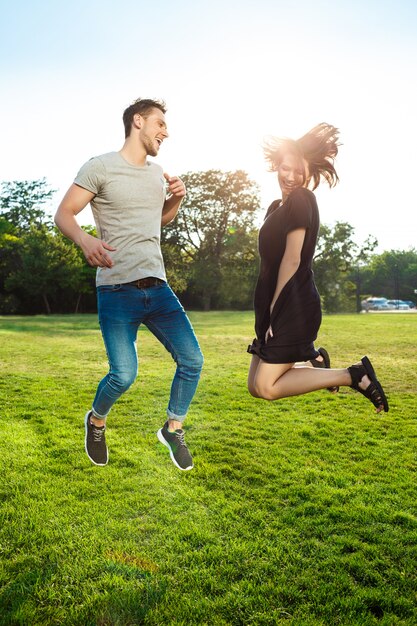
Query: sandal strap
pixel 324 364
pixel 316 363
pixel 372 393
pixel 357 372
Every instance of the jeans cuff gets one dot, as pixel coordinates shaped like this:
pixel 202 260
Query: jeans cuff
pixel 97 415
pixel 172 416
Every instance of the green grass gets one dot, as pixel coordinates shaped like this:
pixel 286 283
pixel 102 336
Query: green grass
pixel 301 512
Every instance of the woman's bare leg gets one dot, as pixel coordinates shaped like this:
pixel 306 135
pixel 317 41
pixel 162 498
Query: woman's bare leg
pixel 252 375
pixel 280 380
pixel 272 381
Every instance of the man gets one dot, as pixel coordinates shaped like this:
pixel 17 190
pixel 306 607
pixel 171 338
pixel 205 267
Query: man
pixel 128 198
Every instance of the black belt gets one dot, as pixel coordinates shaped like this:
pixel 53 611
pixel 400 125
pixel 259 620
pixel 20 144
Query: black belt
pixel 144 283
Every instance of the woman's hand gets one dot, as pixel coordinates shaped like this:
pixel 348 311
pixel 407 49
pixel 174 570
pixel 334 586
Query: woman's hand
pixel 268 333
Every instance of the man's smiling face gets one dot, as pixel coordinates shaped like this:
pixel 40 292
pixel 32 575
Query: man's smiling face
pixel 153 131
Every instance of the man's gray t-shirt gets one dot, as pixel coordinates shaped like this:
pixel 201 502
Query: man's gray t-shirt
pixel 127 209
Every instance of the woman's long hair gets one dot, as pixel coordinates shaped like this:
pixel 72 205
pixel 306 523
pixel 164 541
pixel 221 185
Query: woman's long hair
pixel 318 147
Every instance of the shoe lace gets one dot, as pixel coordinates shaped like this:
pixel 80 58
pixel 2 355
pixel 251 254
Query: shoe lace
pixel 97 433
pixel 180 437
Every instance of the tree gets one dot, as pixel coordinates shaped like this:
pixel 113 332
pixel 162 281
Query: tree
pixel 178 266
pixel 82 277
pixel 22 203
pixel 38 266
pixel 8 260
pixel 336 257
pixel 216 216
pixel 392 274
pixel 50 269
pixel 240 269
pixel 361 261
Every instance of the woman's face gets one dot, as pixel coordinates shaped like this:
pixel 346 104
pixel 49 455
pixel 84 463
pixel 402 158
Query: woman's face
pixel 292 173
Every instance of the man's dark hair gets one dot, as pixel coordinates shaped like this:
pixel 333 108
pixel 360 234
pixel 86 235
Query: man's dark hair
pixel 143 106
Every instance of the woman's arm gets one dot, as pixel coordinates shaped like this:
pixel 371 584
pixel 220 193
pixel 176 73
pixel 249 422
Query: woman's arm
pixel 289 265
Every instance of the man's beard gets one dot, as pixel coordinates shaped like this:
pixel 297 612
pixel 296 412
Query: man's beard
pixel 150 147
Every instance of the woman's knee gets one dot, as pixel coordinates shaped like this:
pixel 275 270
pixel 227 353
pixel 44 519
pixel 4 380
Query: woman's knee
pixel 265 392
pixel 253 391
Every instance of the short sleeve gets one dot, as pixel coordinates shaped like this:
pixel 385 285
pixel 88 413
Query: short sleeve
pixel 301 206
pixel 91 176
pixel 275 204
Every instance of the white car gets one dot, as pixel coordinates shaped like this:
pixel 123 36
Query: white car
pixel 376 304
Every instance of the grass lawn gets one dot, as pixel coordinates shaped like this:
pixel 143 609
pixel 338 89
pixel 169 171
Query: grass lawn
pixel 301 512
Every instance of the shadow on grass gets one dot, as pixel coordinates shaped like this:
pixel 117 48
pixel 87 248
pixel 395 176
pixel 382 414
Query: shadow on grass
pixel 49 324
pixel 124 595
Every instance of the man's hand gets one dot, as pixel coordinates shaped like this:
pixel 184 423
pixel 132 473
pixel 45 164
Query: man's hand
pixel 175 186
pixel 94 251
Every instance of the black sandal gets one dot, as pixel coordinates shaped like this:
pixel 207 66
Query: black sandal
pixel 325 363
pixel 374 391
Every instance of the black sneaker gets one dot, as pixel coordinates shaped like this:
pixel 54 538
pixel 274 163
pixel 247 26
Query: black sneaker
pixel 95 442
pixel 178 451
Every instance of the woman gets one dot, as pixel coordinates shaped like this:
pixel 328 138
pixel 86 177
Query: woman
pixel 287 304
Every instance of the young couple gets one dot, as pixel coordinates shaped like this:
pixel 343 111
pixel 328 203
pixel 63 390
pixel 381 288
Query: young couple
pixel 127 194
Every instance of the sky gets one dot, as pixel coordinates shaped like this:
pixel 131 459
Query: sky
pixel 231 73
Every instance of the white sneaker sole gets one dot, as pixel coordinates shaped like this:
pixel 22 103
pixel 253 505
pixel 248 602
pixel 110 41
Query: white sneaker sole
pixel 166 444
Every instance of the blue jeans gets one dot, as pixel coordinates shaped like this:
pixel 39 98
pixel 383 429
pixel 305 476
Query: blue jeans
pixel 121 310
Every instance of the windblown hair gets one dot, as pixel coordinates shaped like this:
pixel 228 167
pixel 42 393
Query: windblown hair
pixel 142 106
pixel 318 147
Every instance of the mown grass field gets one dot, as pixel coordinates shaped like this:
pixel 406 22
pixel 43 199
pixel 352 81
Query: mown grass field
pixel 301 512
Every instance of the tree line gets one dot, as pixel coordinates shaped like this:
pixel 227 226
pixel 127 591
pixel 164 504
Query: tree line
pixel 210 253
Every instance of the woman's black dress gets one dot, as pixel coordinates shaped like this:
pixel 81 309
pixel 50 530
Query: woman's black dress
pixel 296 316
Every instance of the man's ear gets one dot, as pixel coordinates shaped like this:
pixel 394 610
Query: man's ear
pixel 137 120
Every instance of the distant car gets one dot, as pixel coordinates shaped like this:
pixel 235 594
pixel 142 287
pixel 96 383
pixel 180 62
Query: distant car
pixel 376 304
pixel 382 306
pixel 398 304
pixel 410 303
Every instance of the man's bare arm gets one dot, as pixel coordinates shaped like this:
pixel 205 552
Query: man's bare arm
pixel 94 250
pixel 173 203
